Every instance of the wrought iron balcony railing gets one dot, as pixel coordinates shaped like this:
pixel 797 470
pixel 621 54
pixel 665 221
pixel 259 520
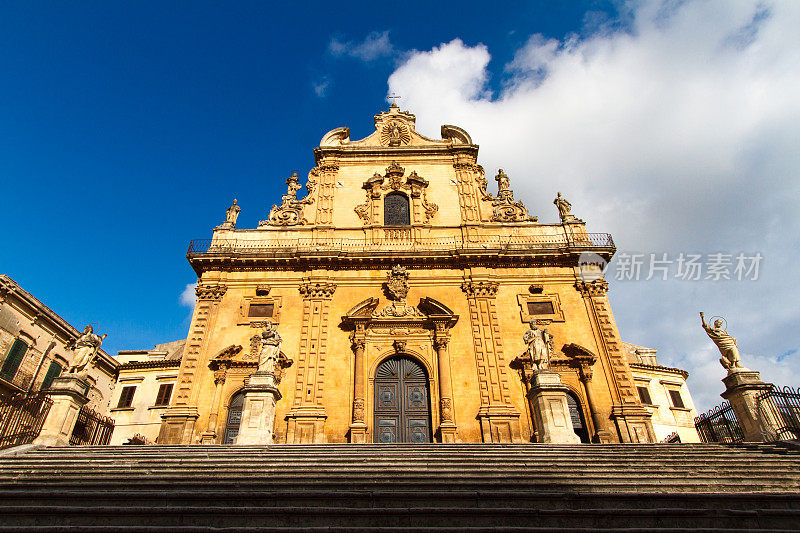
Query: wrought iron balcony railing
pixel 586 241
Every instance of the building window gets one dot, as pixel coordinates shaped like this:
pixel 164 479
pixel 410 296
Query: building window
pixel 261 310
pixel 677 401
pixel 126 397
pixel 13 359
pixel 644 394
pixel 164 393
pixel 395 210
pixel 52 373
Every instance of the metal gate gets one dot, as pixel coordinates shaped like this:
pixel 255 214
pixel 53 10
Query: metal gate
pixel 91 428
pixel 21 418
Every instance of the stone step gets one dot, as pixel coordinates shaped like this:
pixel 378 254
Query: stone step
pixel 167 516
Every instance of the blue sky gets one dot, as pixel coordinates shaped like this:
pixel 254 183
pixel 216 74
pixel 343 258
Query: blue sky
pixel 128 129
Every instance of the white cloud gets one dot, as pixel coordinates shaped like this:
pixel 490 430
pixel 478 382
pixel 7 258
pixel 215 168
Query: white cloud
pixel 188 297
pixel 374 46
pixel 678 135
pixel 320 86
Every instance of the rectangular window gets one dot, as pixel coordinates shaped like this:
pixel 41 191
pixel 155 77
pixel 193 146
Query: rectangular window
pixel 677 401
pixel 13 359
pixel 52 373
pixel 164 393
pixel 540 308
pixel 261 310
pixel 644 395
pixel 126 396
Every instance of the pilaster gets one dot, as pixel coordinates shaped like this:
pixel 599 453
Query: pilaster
pixel 498 418
pixel 307 416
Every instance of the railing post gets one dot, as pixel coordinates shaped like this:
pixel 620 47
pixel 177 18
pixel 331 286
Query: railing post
pixel 69 394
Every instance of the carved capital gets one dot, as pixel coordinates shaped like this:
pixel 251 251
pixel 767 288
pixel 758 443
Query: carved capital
pixel 220 374
pixel 598 287
pixel 478 289
pixel 317 290
pixel 440 342
pixel 358 341
pixel 585 373
pixel 210 292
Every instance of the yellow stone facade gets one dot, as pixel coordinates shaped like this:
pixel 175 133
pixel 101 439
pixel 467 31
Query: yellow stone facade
pixel 473 269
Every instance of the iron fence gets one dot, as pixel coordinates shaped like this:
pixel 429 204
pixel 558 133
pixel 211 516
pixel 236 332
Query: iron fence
pixel 780 409
pixel 719 425
pixel 91 428
pixel 453 243
pixel 21 417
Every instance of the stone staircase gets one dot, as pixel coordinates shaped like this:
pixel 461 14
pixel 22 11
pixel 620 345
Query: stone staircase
pixel 343 487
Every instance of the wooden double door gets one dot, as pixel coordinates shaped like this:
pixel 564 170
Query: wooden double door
pixel 402 402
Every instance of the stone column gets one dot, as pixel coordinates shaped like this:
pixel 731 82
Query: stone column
pixel 210 435
pixel 69 394
pixel 258 412
pixel 742 387
pixel 600 434
pixel 447 426
pixel 548 399
pixel 358 428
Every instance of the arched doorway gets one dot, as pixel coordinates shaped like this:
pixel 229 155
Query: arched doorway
pixel 402 402
pixel 576 414
pixel 234 418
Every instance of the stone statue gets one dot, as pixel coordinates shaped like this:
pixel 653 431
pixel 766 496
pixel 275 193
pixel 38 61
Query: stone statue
pixel 564 208
pixel 540 346
pixel 85 349
pixel 232 214
pixel 503 183
pixel 730 359
pixel 270 348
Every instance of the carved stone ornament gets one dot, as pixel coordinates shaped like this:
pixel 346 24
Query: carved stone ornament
pixel 476 289
pixel 394 179
pixel 505 208
pixel 317 290
pixel 263 290
pixel 290 212
pixel 397 283
pixel 446 409
pixel 210 292
pixel 395 133
pixel 396 290
pixel 399 346
pixel 358 410
pixel 598 287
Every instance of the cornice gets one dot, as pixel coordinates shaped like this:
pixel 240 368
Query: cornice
pixel 659 368
pixel 162 363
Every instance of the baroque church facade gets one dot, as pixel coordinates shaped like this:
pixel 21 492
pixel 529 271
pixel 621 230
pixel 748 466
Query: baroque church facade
pixel 401 289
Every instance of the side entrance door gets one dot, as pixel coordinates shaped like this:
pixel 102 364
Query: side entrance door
pixel 402 402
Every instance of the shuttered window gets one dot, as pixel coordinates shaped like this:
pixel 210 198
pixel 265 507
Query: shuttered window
pixel 126 397
pixel 644 395
pixel 164 393
pixel 677 400
pixel 52 373
pixel 13 359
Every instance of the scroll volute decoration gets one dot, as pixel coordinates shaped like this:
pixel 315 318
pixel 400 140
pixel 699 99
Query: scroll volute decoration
pixel 395 179
pixel 290 212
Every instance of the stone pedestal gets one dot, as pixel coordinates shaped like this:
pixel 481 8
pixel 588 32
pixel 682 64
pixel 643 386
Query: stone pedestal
pixel 741 389
pixel 69 393
pixel 548 399
pixel 258 412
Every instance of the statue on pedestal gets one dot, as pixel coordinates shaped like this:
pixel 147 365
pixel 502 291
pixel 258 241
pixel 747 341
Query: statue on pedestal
pixel 231 214
pixel 85 349
pixel 730 360
pixel 270 348
pixel 564 209
pixel 540 346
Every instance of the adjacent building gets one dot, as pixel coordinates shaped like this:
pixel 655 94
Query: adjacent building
pixel 143 392
pixel 35 346
pixel 663 391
